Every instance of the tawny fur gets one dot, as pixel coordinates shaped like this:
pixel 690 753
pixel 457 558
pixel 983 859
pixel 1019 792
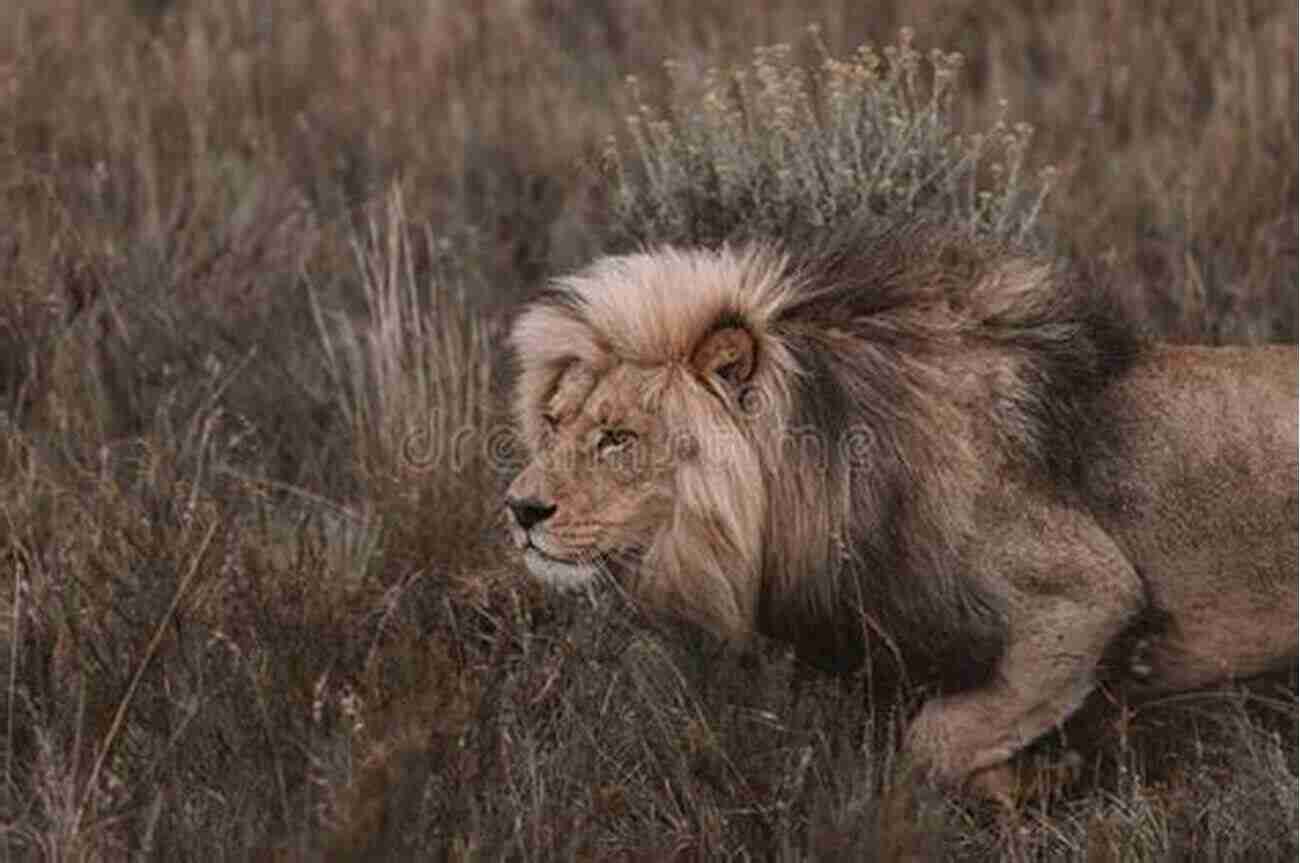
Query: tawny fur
pixel 886 441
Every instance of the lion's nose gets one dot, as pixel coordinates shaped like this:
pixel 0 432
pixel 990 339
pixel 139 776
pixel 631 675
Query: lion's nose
pixel 529 511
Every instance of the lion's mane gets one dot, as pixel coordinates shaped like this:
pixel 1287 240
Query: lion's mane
pixel 897 375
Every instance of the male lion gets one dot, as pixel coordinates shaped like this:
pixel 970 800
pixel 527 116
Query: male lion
pixel 922 443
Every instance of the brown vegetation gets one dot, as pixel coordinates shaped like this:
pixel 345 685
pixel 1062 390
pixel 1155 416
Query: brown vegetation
pixel 254 260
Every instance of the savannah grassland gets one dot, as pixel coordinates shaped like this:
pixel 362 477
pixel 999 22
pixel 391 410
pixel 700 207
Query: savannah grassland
pixel 255 264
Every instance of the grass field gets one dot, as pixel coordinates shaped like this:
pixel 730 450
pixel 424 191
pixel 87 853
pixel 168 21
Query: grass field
pixel 256 260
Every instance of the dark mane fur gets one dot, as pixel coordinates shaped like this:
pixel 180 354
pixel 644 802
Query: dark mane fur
pixel 902 337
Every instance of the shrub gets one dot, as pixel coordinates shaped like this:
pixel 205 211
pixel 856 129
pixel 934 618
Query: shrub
pixel 774 149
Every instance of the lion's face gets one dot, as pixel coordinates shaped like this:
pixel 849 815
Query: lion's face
pixel 599 485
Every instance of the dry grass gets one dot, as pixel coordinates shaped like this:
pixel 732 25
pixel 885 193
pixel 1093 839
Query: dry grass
pixel 253 263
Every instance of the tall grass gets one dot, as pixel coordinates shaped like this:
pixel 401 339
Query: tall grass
pixel 254 264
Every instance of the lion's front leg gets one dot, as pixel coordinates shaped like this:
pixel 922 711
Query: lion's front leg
pixel 1081 595
pixel 1038 686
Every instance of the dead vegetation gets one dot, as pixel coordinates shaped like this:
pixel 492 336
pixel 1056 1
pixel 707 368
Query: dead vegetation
pixel 253 263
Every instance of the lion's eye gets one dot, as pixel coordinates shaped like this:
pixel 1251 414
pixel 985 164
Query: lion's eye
pixel 615 441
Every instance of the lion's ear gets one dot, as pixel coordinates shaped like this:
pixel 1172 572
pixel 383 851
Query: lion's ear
pixel 728 353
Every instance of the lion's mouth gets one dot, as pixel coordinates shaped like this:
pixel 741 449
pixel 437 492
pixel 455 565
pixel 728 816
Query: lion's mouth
pixel 558 571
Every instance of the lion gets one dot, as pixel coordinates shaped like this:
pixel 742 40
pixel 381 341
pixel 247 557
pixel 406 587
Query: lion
pixel 914 443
